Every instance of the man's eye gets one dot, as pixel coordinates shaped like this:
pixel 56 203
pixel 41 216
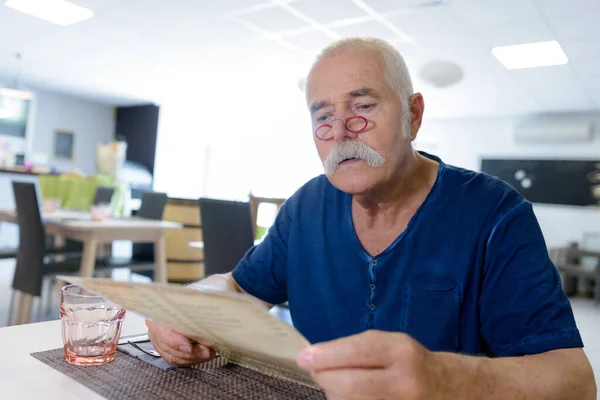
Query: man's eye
pixel 366 107
pixel 323 118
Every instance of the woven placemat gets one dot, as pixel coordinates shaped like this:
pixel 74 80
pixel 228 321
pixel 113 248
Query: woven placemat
pixel 127 377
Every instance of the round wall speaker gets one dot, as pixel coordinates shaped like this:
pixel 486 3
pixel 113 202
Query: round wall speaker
pixel 441 74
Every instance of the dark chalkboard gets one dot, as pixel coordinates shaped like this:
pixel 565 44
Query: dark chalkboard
pixel 564 182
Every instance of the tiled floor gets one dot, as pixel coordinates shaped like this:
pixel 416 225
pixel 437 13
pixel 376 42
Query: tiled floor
pixel 587 315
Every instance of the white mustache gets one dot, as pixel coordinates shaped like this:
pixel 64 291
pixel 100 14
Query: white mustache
pixel 352 149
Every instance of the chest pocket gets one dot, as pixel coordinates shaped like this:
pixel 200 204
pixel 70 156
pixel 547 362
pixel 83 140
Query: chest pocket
pixel 432 315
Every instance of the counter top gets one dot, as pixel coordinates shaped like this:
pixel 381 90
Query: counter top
pixel 22 171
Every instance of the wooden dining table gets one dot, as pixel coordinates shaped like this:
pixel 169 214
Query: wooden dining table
pixel 78 225
pixel 200 244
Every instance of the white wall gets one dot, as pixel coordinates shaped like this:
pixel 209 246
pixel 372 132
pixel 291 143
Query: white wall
pixel 225 142
pixel 239 132
pixel 464 142
pixel 90 122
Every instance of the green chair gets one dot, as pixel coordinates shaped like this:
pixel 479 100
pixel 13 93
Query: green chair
pixel 79 195
pixel 74 192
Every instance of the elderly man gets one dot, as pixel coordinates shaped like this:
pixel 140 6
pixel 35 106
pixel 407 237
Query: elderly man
pixel 413 279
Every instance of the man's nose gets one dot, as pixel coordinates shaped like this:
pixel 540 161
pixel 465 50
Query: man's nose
pixel 340 132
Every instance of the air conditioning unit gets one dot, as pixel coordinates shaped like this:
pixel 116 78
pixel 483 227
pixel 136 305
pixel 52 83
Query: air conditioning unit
pixel 561 131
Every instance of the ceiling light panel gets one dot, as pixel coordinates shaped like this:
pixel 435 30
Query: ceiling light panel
pixel 59 12
pixel 531 55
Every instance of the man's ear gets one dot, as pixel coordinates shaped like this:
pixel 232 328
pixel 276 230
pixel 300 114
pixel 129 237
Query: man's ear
pixel 417 108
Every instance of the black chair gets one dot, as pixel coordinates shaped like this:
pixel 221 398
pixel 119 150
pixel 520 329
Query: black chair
pixel 226 232
pixel 152 207
pixel 33 262
pixel 597 288
pixel 573 274
pixel 103 195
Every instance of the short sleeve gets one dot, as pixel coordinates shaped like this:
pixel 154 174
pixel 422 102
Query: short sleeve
pixel 262 271
pixel 523 309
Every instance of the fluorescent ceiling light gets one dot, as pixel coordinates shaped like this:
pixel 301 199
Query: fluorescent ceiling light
pixel 58 12
pixel 532 55
pixel 16 93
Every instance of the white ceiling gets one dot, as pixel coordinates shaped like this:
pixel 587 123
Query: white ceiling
pixel 138 50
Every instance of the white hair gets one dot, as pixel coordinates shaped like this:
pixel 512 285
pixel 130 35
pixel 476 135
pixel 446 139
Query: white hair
pixel 352 149
pixel 397 73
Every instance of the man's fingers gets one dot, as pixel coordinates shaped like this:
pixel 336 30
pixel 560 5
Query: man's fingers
pixel 198 354
pixel 331 396
pixel 176 340
pixel 169 338
pixel 178 362
pixel 355 384
pixel 175 348
pixel 182 359
pixel 158 333
pixel 366 350
pixel 203 352
pixel 173 359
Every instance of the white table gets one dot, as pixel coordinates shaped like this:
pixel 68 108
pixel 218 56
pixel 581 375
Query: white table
pixel 200 245
pixel 10 215
pixel 77 225
pixel 24 377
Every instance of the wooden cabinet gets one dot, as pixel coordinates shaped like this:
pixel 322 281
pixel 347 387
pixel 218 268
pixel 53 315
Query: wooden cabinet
pixel 184 264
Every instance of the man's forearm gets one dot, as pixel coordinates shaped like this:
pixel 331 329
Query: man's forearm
pixel 226 283
pixel 555 375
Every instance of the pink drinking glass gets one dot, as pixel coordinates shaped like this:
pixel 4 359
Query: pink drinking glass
pixel 91 326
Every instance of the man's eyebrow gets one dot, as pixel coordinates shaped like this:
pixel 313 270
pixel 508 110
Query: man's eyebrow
pixel 355 93
pixel 317 106
pixel 363 92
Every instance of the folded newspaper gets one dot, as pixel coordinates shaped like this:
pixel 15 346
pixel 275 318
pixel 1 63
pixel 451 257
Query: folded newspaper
pixel 241 329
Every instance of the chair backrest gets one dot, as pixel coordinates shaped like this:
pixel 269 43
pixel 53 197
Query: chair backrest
pixel 226 233
pixel 255 203
pixel 103 195
pixel 32 249
pixel 571 260
pixel 597 291
pixel 152 207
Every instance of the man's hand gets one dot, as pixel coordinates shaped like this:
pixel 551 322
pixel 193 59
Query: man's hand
pixel 177 349
pixel 375 365
pixel 384 365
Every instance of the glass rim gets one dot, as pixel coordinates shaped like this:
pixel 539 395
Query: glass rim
pixel 65 290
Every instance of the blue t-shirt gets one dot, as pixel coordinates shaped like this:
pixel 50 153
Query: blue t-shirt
pixel 470 273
